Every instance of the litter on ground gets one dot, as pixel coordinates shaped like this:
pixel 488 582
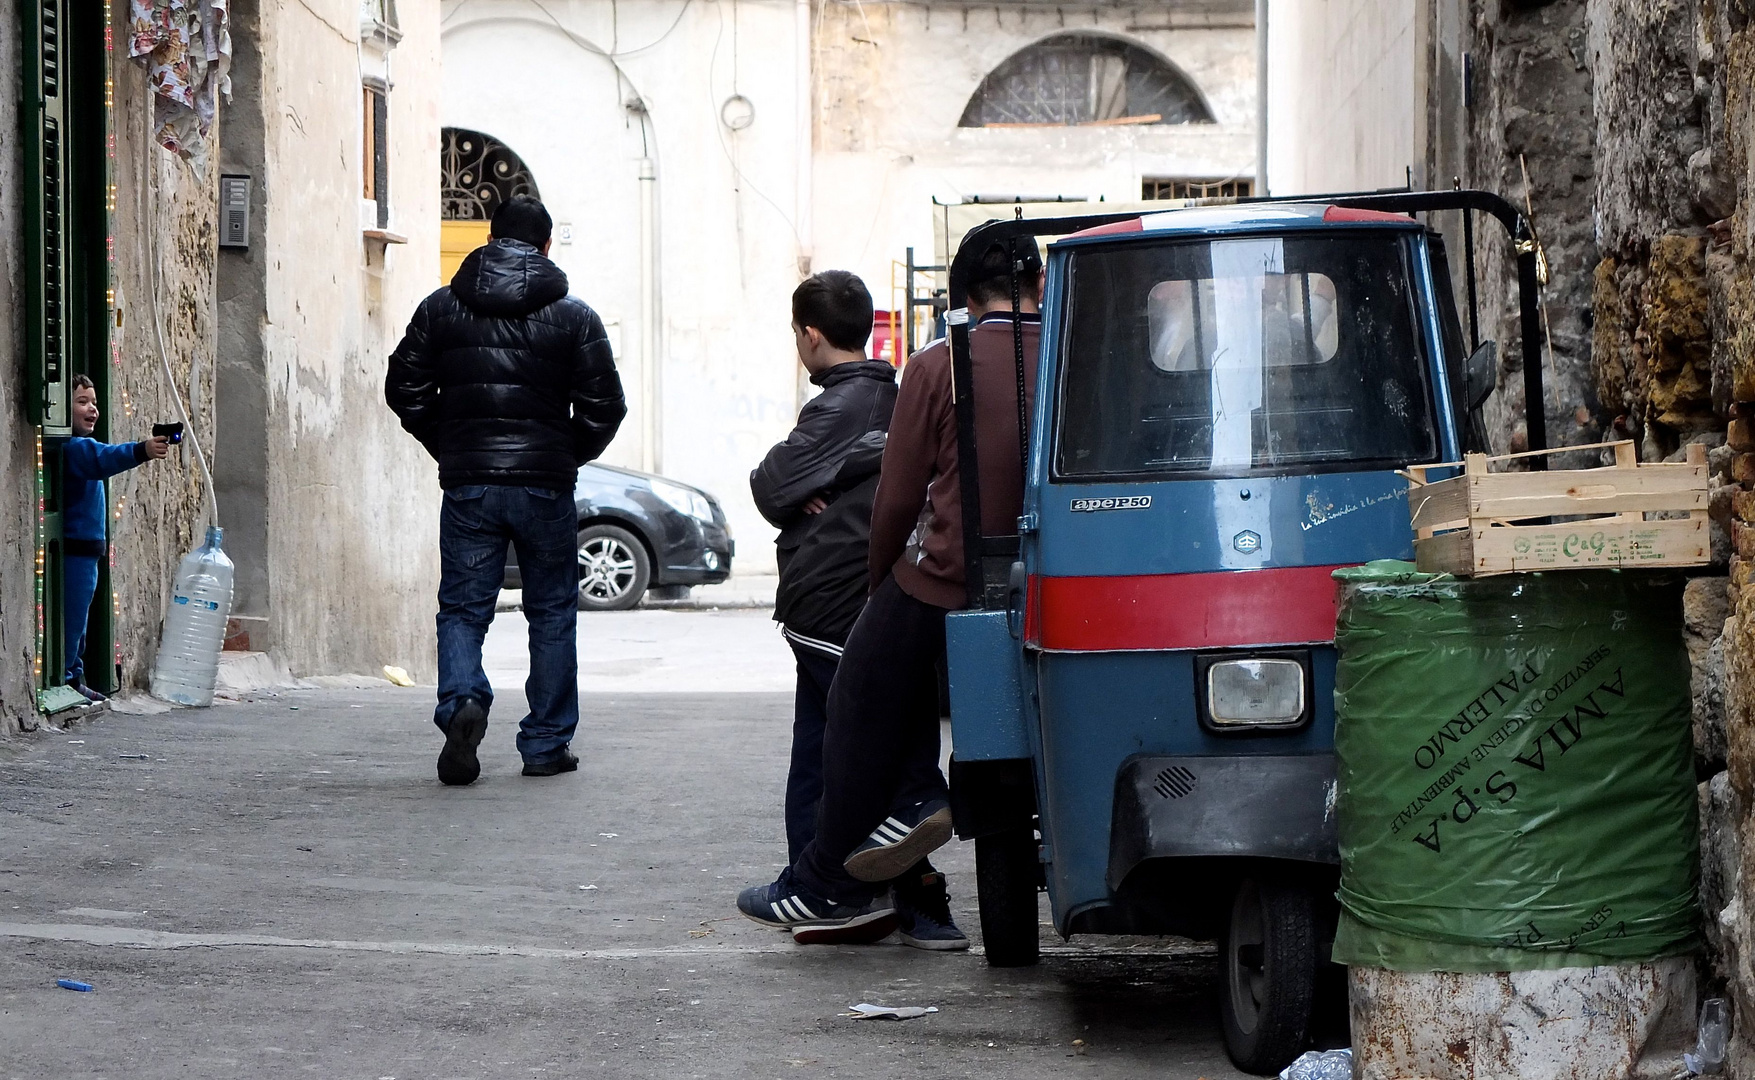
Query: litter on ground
pixel 867 1011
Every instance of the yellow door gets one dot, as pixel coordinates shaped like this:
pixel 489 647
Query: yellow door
pixel 457 239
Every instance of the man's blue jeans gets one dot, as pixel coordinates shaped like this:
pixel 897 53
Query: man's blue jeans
pixel 475 525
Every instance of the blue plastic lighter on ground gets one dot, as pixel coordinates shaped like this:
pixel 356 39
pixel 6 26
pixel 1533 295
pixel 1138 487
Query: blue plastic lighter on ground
pixel 74 984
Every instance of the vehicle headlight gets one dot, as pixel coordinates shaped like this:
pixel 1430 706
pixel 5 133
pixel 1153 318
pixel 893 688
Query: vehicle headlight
pixel 1255 692
pixel 684 500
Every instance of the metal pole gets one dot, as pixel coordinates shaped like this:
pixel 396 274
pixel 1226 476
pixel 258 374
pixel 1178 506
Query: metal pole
pixel 1261 96
pixel 908 308
pixel 1469 255
pixel 803 136
pixel 651 431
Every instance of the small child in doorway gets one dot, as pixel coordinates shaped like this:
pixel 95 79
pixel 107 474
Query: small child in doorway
pixel 85 464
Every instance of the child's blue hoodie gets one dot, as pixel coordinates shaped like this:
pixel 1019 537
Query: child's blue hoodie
pixel 85 465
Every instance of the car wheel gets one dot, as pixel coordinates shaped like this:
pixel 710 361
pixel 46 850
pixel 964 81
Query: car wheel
pixel 613 569
pixel 1006 873
pixel 1270 965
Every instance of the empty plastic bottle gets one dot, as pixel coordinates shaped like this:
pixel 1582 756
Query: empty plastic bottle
pixel 1708 1057
pixel 201 601
pixel 1321 1065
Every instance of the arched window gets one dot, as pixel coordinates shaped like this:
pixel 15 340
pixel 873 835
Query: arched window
pixel 477 173
pixel 1084 79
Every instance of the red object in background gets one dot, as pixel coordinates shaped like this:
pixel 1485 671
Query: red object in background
pixel 884 345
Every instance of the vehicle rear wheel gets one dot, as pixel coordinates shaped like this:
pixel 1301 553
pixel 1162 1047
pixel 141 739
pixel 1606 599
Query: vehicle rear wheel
pixel 1270 962
pixel 614 569
pixel 1006 873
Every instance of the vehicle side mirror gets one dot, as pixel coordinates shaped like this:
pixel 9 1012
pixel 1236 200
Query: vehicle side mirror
pixel 1480 374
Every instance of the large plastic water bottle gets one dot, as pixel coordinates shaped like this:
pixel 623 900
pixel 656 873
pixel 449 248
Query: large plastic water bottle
pixel 201 601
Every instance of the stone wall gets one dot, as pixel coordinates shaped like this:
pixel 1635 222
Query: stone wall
pixel 1529 125
pixel 164 243
pixel 1674 358
pixel 351 501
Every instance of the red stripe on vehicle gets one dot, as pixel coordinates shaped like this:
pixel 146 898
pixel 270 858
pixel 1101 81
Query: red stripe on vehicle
pixel 1130 225
pixel 1348 213
pixel 1227 609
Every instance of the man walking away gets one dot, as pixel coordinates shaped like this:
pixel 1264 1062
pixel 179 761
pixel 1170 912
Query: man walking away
pixel 884 805
pixel 509 384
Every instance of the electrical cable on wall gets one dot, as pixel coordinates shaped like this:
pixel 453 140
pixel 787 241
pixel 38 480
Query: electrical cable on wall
pixel 155 278
pixel 719 130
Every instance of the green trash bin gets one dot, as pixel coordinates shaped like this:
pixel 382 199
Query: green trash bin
pixel 1515 770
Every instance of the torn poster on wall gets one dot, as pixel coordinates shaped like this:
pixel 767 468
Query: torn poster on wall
pixel 186 46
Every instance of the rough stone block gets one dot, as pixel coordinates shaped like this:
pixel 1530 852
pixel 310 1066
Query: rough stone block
pixel 1742 504
pixel 1721 856
pixel 1743 539
pixel 1705 608
pixel 1704 611
pixel 1740 435
pixel 1718 461
pixel 1743 468
pixel 1708 685
pixel 1739 652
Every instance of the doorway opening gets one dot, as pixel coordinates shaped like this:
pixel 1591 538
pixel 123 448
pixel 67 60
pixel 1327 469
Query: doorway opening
pixel 477 172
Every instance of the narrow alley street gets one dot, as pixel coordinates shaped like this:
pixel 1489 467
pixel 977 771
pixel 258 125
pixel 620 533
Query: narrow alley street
pixel 280 888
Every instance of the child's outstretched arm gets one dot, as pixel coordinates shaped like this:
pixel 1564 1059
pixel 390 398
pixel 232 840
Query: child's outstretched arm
pixel 88 459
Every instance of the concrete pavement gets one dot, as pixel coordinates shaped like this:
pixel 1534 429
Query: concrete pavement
pixel 281 887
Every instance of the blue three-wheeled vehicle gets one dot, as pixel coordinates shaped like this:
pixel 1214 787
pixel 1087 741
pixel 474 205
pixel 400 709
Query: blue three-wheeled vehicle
pixel 1142 686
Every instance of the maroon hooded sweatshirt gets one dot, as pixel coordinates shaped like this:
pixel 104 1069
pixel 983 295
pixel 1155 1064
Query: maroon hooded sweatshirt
pixel 917 520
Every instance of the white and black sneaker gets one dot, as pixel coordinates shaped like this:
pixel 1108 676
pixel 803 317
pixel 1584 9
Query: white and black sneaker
pixel 901 840
pixel 814 921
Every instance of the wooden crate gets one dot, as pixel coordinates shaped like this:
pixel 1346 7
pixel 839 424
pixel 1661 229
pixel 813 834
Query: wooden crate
pixel 1480 523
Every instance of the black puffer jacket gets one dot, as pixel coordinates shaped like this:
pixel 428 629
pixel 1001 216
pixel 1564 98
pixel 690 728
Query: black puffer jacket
pixel 503 377
pixel 833 454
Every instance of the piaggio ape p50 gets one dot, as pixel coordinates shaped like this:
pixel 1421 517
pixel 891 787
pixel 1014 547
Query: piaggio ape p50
pixel 1142 685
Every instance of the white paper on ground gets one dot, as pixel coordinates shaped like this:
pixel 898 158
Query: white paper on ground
pixel 866 1011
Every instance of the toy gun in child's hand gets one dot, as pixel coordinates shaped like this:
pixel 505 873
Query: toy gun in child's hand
pixel 172 432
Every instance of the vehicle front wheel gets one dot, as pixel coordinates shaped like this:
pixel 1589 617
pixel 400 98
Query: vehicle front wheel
pixel 1006 873
pixel 614 569
pixel 1270 964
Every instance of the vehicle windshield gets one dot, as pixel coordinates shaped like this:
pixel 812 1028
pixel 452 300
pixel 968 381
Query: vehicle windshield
pixel 1258 353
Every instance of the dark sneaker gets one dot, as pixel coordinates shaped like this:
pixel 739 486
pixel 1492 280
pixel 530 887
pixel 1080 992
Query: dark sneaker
pixel 813 920
pixel 923 914
pixel 457 762
pixel 553 766
pixel 904 838
pixel 93 696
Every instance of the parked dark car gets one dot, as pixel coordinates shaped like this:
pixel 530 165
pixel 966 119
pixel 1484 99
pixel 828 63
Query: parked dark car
pixel 638 531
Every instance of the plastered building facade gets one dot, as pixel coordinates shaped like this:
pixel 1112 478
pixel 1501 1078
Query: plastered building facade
pixel 331 509
pixel 780 138
pixel 277 347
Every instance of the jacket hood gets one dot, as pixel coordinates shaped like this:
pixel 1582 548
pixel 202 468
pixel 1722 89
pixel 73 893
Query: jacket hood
pixel 507 279
pixel 869 369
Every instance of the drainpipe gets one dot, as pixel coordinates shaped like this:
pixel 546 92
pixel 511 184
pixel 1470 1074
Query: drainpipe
pixel 802 136
pixel 1261 96
pixel 651 455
